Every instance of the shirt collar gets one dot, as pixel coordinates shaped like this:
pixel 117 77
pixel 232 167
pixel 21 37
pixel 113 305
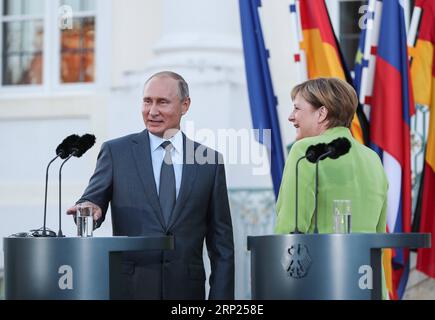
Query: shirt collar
pixel 176 140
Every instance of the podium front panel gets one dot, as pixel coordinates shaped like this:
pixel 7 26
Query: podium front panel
pixel 67 268
pixel 322 266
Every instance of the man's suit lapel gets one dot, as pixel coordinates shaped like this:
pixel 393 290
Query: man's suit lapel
pixel 142 156
pixel 187 179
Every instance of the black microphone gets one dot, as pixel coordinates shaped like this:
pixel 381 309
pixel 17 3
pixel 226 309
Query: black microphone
pixel 81 145
pixel 62 151
pixel 312 153
pixel 65 148
pixel 334 150
pixel 338 147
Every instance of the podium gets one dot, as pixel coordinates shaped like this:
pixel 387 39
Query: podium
pixel 70 268
pixel 323 266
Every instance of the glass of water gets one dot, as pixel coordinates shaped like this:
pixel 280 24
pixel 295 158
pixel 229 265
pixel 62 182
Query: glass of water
pixel 342 214
pixel 84 220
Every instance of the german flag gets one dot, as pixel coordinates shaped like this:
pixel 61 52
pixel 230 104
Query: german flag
pixel 323 55
pixel 423 80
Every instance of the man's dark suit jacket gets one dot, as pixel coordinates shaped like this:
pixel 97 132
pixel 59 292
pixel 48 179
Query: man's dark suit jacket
pixel 124 176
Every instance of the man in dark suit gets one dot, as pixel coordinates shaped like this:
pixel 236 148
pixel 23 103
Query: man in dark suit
pixel 159 182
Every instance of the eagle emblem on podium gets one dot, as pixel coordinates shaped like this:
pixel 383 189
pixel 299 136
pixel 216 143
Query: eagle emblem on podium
pixel 297 261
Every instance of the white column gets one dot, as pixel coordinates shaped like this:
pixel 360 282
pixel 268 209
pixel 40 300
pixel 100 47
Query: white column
pixel 198 25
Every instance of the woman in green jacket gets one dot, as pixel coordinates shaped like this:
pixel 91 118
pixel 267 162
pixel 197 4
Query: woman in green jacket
pixel 323 111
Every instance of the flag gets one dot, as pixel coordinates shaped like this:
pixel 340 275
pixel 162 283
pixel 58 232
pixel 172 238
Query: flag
pixel 392 107
pixel 423 80
pixel 262 99
pixel 365 62
pixel 323 55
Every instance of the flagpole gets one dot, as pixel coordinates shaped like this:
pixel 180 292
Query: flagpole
pixel 413 28
pixel 371 42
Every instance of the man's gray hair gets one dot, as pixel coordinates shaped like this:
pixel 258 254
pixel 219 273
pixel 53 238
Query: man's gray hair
pixel 183 87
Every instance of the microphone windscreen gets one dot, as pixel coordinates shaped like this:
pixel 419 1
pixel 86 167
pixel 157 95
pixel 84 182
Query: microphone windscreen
pixel 84 144
pixel 339 147
pixel 64 149
pixel 315 151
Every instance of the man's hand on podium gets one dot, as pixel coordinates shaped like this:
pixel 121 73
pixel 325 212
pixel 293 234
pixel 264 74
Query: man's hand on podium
pixel 97 213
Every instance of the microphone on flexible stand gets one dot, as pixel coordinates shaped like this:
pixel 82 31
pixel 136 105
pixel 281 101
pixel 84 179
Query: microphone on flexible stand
pixel 312 153
pixel 63 150
pixel 334 150
pixel 81 145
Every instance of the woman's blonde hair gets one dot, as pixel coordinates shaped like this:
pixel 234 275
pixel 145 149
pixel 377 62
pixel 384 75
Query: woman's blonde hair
pixel 338 97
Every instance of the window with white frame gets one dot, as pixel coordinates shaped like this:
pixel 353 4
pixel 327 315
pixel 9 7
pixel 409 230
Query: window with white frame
pixel 22 25
pixel 47 42
pixel 77 43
